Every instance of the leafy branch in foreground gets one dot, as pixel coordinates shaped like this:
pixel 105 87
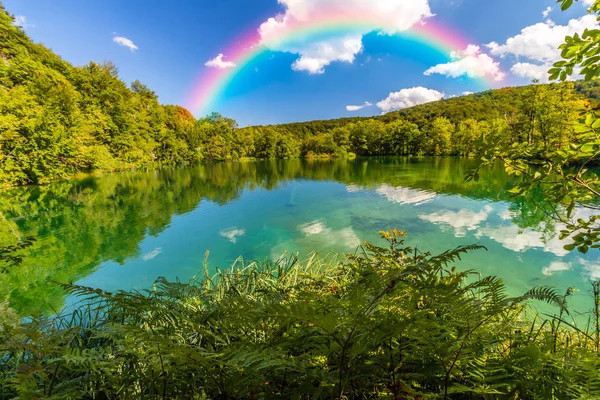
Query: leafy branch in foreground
pixel 570 190
pixel 387 322
pixel 563 170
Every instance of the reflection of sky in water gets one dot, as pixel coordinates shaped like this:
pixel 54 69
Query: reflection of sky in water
pixel 545 258
pixel 461 221
pixel 305 216
pixel 556 266
pixel 151 254
pixel 232 234
pixel 506 233
pixel 403 195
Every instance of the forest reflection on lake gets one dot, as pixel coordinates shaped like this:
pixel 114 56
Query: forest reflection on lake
pixel 122 231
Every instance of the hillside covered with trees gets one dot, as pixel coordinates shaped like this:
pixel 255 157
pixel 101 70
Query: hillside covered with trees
pixel 58 120
pixel 455 126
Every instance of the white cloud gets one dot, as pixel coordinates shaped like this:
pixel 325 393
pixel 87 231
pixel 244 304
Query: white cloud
pixel 20 20
pixel 150 255
pixel 470 62
pixel 540 42
pixel 531 71
pixel 506 214
pixel 467 93
pixel 391 15
pixel 123 41
pixel 312 228
pixel 402 195
pixel 462 221
pixel 591 268
pixel 588 3
pixel 409 98
pixel 547 12
pixel 472 50
pixel 556 266
pixel 516 239
pixel 314 57
pixel 348 238
pixel 218 62
pixel 326 236
pixel 232 234
pixel 356 108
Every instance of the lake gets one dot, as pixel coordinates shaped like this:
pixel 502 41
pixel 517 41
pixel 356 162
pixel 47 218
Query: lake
pixel 122 231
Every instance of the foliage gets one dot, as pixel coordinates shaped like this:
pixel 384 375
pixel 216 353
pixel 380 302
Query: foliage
pixel 459 126
pixel 384 323
pixel 57 120
pixel 559 163
pixel 11 255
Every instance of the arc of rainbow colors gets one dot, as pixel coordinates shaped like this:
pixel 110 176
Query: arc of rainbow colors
pixel 210 84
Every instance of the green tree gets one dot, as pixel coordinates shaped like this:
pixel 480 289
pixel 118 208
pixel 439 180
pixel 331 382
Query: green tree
pixel 466 136
pixel 439 136
pixel 399 135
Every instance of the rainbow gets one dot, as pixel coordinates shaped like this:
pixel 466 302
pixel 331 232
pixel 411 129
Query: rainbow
pixel 211 83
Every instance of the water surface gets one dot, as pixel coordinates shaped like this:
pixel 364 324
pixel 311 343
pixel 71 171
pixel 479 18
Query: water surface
pixel 122 231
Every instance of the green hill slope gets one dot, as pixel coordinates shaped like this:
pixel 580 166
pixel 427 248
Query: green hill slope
pixel 487 105
pixel 57 119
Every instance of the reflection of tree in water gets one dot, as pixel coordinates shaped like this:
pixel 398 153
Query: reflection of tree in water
pixel 82 223
pixel 535 213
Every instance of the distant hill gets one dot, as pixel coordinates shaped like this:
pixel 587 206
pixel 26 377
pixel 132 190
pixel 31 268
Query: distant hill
pixel 480 106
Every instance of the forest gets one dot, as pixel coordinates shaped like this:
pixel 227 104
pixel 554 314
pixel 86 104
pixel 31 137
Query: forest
pixel 58 121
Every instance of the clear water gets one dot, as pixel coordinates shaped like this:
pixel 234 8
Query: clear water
pixel 122 231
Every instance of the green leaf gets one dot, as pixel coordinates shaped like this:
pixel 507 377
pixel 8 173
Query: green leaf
pixel 566 4
pixel 569 247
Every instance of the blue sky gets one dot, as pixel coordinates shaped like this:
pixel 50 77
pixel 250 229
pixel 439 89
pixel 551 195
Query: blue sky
pixel 175 39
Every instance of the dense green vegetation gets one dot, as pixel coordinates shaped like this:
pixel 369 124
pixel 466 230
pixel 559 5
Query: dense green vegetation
pixel 489 105
pixel 457 126
pixel 57 120
pixel 388 323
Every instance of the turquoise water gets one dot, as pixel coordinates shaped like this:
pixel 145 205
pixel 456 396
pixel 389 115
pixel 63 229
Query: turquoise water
pixel 122 231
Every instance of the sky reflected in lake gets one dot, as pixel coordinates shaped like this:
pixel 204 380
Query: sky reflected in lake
pixel 123 231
